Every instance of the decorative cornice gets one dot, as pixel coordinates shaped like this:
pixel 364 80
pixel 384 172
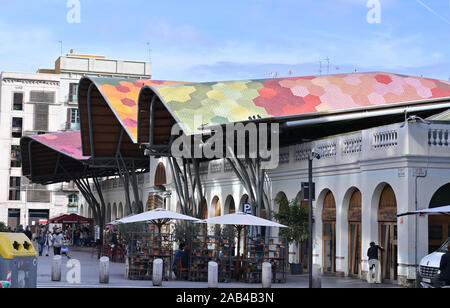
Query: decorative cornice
pixel 30 81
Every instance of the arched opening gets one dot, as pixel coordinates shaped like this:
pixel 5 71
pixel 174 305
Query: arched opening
pixel 217 206
pixel 120 213
pixel 229 205
pixel 160 175
pixel 108 213
pixel 329 233
pixel 114 212
pixel 387 233
pixel 354 233
pixel 205 210
pixel 439 225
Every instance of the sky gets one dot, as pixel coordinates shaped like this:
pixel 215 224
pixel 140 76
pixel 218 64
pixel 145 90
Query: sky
pixel 212 40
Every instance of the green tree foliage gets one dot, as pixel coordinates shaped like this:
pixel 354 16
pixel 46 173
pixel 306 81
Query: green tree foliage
pixel 185 231
pixel 3 227
pixel 295 217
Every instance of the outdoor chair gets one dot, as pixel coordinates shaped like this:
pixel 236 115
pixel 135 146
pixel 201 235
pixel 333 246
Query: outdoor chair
pixel 182 271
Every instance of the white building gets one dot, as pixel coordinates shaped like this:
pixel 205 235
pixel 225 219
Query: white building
pixel 367 173
pixel 42 102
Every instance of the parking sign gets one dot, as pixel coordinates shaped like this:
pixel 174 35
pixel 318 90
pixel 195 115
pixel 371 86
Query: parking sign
pixel 246 208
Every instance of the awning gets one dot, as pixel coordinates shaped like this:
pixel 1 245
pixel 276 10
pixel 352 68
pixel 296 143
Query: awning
pixel 442 210
pixel 70 219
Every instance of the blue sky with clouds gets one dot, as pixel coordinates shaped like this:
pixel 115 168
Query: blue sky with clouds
pixel 202 40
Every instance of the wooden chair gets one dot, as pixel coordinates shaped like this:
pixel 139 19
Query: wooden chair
pixel 181 270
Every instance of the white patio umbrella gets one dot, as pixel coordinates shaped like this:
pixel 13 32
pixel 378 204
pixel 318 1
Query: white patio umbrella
pixel 432 211
pixel 240 220
pixel 157 216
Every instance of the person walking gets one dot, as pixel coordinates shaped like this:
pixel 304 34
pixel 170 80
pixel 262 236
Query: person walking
pixel 374 263
pixel 57 239
pixel 444 266
pixel 41 239
pixel 48 242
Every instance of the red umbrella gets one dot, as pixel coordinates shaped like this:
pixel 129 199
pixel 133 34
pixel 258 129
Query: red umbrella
pixel 70 219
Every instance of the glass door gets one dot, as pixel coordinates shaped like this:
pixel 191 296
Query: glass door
pixel 354 248
pixel 329 247
pixel 388 240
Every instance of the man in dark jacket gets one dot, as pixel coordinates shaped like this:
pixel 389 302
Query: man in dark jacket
pixel 445 266
pixel 41 239
pixel 374 264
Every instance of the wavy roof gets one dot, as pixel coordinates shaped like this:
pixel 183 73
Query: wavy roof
pixel 234 101
pixel 122 96
pixel 67 143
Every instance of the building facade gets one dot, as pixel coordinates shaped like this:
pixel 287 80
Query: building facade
pixel 39 103
pixel 363 180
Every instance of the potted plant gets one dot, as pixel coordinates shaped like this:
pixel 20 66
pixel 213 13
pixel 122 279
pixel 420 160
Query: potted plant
pixel 295 217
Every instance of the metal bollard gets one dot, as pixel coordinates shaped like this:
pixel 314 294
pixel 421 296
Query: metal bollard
pixel 213 275
pixel 266 276
pixel 103 270
pixel 157 272
pixel 317 276
pixel 56 268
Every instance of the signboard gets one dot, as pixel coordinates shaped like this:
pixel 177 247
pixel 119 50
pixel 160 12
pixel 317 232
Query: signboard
pixel 43 221
pixel 305 190
pixel 246 208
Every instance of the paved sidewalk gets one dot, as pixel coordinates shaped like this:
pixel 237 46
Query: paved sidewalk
pixel 90 277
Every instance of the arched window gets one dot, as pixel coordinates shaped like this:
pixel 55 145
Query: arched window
pixel 160 175
pixel 329 233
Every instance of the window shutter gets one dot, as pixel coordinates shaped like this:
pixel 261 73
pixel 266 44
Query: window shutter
pixel 42 97
pixel 69 118
pixel 41 117
pixel 71 92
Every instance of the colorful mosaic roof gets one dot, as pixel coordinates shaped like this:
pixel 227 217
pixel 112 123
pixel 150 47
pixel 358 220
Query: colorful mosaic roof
pixel 67 143
pixel 122 95
pixel 234 101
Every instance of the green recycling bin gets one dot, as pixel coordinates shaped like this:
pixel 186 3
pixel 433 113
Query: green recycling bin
pixel 18 258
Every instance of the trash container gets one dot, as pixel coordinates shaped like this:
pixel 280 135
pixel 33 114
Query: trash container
pixel 18 256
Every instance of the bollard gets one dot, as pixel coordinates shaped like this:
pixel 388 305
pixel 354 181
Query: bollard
pixel 317 276
pixel 266 276
pixel 56 268
pixel 157 272
pixel 213 275
pixel 103 270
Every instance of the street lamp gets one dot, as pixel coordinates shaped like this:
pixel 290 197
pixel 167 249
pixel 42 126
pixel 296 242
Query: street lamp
pixel 315 153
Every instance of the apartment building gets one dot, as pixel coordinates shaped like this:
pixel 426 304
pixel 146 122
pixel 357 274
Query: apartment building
pixel 39 103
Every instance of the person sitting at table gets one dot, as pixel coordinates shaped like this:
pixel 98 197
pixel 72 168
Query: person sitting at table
pixel 177 258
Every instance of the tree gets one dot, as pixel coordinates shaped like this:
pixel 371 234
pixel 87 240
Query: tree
pixel 293 215
pixel 3 227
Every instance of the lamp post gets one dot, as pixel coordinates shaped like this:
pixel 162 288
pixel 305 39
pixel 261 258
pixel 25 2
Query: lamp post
pixel 315 153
